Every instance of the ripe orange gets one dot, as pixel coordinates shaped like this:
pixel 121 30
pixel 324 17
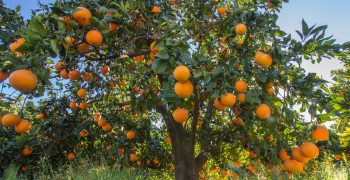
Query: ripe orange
pixel 180 115
pixel 218 104
pixel 241 97
pixel 83 133
pixel 270 91
pixel 241 29
pixel 73 105
pixel 59 66
pixel 3 76
pixel 138 58
pixel 183 89
pixel 101 122
pixel 41 116
pixel 82 16
pixel 83 105
pixel 27 151
pixel 105 69
pixel 120 150
pixel 71 156
pixel 309 150
pixel 241 86
pixel 155 161
pixel 130 135
pixel 107 127
pixel 16 45
pixel 113 26
pixel 82 92
pixel 338 157
pixel 297 155
pixel 320 133
pixel 64 74
pixel 23 80
pixel 172 2
pixel 87 76
pixel 263 111
pixel 269 85
pixel 221 11
pixel 23 127
pixel 10 120
pixel 97 116
pixel 283 155
pixel 83 48
pixel 264 60
pixel 181 73
pixel 228 99
pixel 238 122
pixel 156 10
pixel 94 37
pixel 168 139
pixel 74 74
pixel 240 42
pixel 293 166
pixel 133 157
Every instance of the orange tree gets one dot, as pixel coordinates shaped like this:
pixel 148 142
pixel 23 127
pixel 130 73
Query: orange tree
pixel 212 73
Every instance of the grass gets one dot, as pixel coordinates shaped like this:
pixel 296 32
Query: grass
pixel 102 171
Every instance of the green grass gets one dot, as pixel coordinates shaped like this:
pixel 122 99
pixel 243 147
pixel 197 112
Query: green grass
pixel 102 171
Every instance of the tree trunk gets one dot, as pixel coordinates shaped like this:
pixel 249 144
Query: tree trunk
pixel 185 165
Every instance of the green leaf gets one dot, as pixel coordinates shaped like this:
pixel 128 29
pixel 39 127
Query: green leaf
pixel 54 46
pixel 36 26
pixel 163 54
pixel 159 66
pixel 305 28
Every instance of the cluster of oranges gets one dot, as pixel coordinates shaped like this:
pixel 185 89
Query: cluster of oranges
pixel 21 126
pixel 304 152
pixel 102 122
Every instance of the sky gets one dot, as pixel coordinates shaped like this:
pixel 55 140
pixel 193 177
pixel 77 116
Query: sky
pixel 334 13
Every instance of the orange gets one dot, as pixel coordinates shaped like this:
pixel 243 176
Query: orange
pixel 10 120
pixel 113 26
pixel 320 133
pixel 251 168
pixel 309 150
pixel 269 85
pixel 83 105
pixel 241 97
pixel 83 133
pixel 71 156
pixel 338 157
pixel 155 161
pixel 74 74
pixel 3 76
pixel 23 127
pixel 64 74
pixel 218 104
pixel 238 122
pixel 66 20
pixel 172 2
pixel 293 166
pixel 41 116
pixel 101 122
pixel 120 150
pixel 297 155
pixel 69 41
pixel 241 86
pixel 27 151
pixel 133 157
pixel 151 46
pixel 94 37
pixel 228 99
pixel 23 80
pixel 138 58
pixel 270 91
pixel 240 42
pixel 264 60
pixel 252 154
pixel 82 16
pixel 130 135
pixel 59 66
pixel 156 10
pixel 97 116
pixel 180 115
pixel 82 92
pixel 73 105
pixel 263 111
pixel 258 56
pixel 16 45
pixel 107 127
pixel 283 155
pixel 83 48
pixel 168 139
pixel 105 69
pixel 221 11
pixel 87 76
pixel 183 89
pixel 181 73
pixel 241 29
